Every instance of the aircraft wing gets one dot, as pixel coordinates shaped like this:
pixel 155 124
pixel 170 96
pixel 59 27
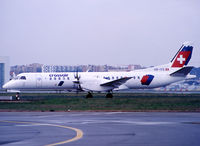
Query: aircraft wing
pixel 116 83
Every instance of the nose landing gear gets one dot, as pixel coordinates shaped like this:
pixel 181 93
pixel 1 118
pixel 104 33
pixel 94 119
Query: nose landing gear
pixel 17 97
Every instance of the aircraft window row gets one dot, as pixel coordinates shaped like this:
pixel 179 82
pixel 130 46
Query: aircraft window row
pixel 59 78
pixel 134 77
pixel 113 78
pixel 108 78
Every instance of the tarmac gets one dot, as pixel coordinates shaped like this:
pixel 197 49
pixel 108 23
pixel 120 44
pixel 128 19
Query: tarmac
pixel 99 128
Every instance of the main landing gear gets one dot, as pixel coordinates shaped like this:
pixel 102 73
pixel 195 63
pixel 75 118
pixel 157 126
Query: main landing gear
pixel 89 95
pixel 108 95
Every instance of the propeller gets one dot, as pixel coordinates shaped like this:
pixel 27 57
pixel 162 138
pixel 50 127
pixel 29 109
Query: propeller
pixel 77 81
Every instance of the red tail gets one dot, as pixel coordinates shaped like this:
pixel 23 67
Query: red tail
pixel 183 56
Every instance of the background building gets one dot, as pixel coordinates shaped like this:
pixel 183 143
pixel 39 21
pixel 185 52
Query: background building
pixel 17 69
pixel 90 68
pixel 4 70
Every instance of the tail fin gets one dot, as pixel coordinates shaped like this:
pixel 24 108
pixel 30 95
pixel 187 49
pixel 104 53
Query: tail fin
pixel 183 56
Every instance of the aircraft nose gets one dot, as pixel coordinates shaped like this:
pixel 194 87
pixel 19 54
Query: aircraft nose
pixel 6 85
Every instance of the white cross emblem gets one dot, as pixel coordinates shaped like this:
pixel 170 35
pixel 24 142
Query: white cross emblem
pixel 181 59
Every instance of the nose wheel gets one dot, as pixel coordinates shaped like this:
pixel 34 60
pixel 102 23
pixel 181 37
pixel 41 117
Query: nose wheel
pixel 17 97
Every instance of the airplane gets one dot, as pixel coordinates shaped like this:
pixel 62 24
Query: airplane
pixel 108 82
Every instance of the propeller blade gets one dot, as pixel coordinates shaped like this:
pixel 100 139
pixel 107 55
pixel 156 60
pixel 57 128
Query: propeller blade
pixel 77 77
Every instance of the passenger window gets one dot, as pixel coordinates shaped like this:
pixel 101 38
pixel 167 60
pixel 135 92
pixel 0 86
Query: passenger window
pixel 107 78
pixel 23 78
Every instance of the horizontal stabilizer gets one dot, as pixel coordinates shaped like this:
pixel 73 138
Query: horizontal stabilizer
pixel 182 72
pixel 116 83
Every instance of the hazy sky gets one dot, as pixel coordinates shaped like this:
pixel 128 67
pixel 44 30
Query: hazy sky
pixel 114 32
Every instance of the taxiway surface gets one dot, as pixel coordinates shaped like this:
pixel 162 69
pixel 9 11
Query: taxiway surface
pixel 99 128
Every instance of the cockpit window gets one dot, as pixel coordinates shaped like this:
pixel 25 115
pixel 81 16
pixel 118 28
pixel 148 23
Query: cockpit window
pixel 20 78
pixel 23 78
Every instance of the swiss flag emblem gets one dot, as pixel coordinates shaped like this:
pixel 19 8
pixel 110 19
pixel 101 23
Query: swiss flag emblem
pixel 181 59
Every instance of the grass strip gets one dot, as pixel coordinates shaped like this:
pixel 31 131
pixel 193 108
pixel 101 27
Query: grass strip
pixel 120 102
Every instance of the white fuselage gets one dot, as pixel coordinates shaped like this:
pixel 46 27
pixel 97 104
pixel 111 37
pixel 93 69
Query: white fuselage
pixel 90 81
pixel 153 77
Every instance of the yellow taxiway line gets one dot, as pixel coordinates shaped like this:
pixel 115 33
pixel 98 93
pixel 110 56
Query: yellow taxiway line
pixel 79 133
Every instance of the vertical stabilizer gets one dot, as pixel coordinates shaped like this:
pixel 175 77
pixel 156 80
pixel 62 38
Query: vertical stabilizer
pixel 183 56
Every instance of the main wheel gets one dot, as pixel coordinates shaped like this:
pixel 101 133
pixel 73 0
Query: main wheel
pixel 109 95
pixel 17 97
pixel 89 95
